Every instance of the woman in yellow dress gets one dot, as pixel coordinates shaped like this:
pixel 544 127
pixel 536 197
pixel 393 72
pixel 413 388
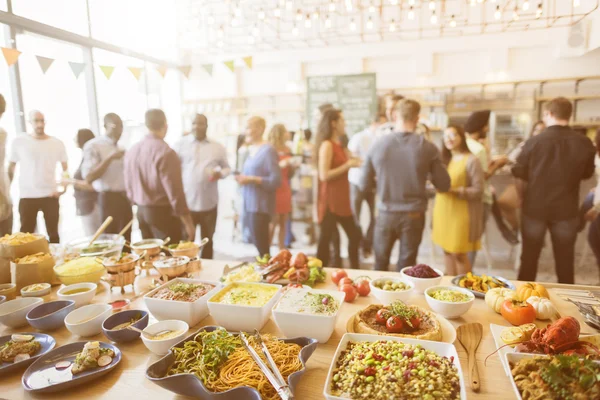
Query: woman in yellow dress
pixel 458 214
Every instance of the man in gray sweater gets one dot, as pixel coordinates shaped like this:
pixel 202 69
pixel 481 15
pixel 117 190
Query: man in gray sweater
pixel 399 165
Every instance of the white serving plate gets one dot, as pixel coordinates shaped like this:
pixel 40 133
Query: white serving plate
pixel 515 357
pixel 297 324
pixel 236 317
pixel 442 349
pixel 189 312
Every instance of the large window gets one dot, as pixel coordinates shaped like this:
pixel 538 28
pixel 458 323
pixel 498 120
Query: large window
pixel 70 15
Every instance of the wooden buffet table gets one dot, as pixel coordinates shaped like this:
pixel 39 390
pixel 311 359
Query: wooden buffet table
pixel 128 379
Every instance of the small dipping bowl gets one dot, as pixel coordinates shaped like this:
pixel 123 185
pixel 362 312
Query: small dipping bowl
pixel 51 315
pixel 161 347
pixel 42 290
pixel 87 320
pixel 119 305
pixel 2 299
pixel 124 335
pixel 9 290
pixel 80 299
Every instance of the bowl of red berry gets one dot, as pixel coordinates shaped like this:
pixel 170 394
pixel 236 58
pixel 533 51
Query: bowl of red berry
pixel 423 276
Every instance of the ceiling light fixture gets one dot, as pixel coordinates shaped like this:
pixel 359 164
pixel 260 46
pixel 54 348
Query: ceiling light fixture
pixel 289 4
pixel 221 31
pixel 332 6
pixel 234 21
pixel 539 11
pixel 525 5
pixel 473 3
pixel 431 5
pixel 237 10
pixel 452 22
pixel 372 9
pixel 295 30
pixel 411 13
pixel 352 25
pixel 498 13
pixel 516 14
pixel 393 26
pixel 370 23
pixel 315 15
pixel 255 31
pixel 349 6
pixel 298 15
pixel 411 2
pixel 261 14
pixel 327 22
pixel 576 3
pixel 210 19
pixel 307 23
pixel 434 18
pixel 394 2
pixel 277 12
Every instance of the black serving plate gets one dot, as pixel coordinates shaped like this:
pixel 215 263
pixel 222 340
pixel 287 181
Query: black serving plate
pixel 508 284
pixel 37 376
pixel 46 341
pixel 191 385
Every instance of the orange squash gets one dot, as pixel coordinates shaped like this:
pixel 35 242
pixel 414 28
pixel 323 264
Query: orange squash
pixel 532 289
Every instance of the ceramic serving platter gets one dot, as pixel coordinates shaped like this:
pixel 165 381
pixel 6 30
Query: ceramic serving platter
pixel 191 385
pixel 496 332
pixel 42 376
pixel 508 284
pixel 448 330
pixel 46 341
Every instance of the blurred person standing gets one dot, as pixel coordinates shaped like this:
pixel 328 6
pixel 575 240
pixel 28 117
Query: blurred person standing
pixel 260 178
pixel 553 164
pixel 86 198
pixel 37 155
pixel 153 182
pixel 6 214
pixel 390 105
pixel 203 164
pixel 458 215
pixel 103 169
pixel 359 146
pixel 591 208
pixel 283 195
pixel 398 165
pixel 334 188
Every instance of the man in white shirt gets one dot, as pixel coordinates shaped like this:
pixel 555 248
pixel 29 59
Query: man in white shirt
pixel 390 103
pixel 203 163
pixel 37 155
pixel 6 217
pixel 359 146
pixel 103 168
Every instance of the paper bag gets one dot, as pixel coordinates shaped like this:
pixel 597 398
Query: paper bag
pixel 27 274
pixel 4 270
pixel 21 250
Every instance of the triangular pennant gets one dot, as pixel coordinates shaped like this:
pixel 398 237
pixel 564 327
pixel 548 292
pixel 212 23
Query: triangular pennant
pixel 77 68
pixel 10 55
pixel 44 62
pixel 208 68
pixel 248 61
pixel 162 70
pixel 185 70
pixel 137 72
pixel 107 70
pixel 230 65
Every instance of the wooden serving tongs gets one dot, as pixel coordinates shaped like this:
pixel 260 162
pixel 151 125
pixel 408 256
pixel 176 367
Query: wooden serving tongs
pixel 469 335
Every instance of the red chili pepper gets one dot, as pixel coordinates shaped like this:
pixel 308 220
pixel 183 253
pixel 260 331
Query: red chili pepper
pixel 370 371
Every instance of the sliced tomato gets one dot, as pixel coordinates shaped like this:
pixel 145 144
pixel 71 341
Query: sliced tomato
pixel 394 324
pixel 382 315
pixel 337 275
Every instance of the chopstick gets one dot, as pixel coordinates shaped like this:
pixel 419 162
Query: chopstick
pixel 276 380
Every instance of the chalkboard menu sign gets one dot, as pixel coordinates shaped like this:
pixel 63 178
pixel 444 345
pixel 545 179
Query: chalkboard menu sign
pixel 355 95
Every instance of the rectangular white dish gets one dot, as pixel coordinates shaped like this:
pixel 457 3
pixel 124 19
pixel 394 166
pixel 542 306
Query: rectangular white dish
pixel 238 317
pixel 298 324
pixel 440 348
pixel 189 312
pixel 496 331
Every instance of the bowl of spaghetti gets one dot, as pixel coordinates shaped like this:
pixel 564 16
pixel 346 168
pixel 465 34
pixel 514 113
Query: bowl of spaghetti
pixel 213 363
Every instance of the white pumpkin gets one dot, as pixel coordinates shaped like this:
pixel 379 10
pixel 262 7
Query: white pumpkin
pixel 495 297
pixel 544 309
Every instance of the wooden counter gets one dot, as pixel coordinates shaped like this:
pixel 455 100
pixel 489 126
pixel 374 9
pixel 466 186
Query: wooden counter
pixel 128 379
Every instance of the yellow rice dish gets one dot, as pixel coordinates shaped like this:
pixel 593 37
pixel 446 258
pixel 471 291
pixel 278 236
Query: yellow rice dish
pixel 82 269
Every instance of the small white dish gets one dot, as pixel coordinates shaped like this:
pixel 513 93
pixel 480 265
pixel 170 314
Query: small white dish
pixel 80 299
pixel 161 347
pixel 422 284
pixel 387 297
pixel 44 289
pixel 449 309
pixel 296 324
pixel 14 313
pixel 87 320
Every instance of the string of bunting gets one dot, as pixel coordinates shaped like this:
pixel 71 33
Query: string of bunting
pixel 11 56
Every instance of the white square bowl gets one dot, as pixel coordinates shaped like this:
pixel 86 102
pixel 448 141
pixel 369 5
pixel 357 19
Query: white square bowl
pixel 297 324
pixel 440 348
pixel 187 311
pixel 236 317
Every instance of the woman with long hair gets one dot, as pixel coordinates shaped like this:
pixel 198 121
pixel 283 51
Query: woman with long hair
pixel 458 214
pixel 283 195
pixel 86 198
pixel 333 201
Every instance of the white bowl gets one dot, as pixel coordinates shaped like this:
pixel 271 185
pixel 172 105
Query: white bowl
pixel 161 347
pixel 387 296
pixel 80 299
pixel 190 312
pixel 440 348
pixel 296 324
pixel 446 308
pixel 422 284
pixel 87 320
pixel 236 317
pixel 13 313
pixel 36 293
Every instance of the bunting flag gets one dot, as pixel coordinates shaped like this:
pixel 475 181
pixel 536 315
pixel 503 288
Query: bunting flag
pixel 162 70
pixel 230 65
pixel 248 61
pixel 77 68
pixel 10 55
pixel 107 70
pixel 136 72
pixel 44 62
pixel 185 70
pixel 208 68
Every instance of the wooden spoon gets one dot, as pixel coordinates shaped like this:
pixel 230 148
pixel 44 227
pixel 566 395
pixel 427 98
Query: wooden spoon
pixel 469 335
pixel 102 228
